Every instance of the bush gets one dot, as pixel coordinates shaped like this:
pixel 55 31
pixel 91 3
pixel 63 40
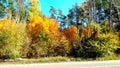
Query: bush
pixel 12 38
pixel 72 34
pixel 7 47
pixel 105 45
pixel 46 39
pixel 95 43
pixel 104 27
pixel 61 46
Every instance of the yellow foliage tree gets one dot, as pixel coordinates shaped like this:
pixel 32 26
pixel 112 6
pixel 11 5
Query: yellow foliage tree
pixel 12 37
pixel 34 8
pixel 38 24
pixel 45 32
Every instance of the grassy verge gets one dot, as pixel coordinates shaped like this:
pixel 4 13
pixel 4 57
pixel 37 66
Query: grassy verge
pixel 40 60
pixel 57 59
pixel 109 58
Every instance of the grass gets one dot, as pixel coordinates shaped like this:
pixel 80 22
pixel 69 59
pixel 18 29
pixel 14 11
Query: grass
pixel 54 59
pixel 40 60
pixel 58 59
pixel 109 58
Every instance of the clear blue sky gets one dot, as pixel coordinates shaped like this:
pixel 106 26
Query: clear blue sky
pixel 65 5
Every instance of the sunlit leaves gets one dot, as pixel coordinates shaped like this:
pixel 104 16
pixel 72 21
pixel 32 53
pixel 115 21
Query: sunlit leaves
pixel 38 24
pixel 34 7
pixel 72 33
pixel 45 34
pixel 12 37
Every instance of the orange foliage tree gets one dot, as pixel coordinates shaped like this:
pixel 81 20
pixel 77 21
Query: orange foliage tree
pixel 91 31
pixel 71 33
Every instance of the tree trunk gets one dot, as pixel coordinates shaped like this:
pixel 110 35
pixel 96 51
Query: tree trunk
pixel 110 19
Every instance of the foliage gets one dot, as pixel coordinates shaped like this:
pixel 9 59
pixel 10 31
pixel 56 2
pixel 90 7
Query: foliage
pixel 2 8
pixel 105 45
pixel 94 42
pixel 11 38
pixel 46 38
pixel 34 8
pixel 104 27
pixel 38 24
pixel 72 33
pixel 91 31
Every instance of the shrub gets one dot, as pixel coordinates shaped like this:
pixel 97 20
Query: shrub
pixel 12 37
pixel 6 49
pixel 61 45
pixel 46 39
pixel 95 43
pixel 71 33
pixel 104 27
pixel 91 31
pixel 105 45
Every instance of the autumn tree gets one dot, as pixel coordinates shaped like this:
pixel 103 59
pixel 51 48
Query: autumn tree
pixel 62 19
pixel 46 37
pixel 34 8
pixel 72 33
pixel 22 8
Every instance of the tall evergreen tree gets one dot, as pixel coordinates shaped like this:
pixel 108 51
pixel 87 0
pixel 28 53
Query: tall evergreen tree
pixel 53 12
pixel 62 20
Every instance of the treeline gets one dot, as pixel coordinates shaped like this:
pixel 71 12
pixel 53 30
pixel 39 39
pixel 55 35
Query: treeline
pixel 90 11
pixel 82 33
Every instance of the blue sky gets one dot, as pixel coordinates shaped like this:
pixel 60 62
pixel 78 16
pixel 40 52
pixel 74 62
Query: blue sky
pixel 65 5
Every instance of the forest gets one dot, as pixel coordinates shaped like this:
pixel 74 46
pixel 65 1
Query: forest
pixel 91 30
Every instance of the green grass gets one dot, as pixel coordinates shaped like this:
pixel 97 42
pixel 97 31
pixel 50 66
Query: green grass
pixel 109 58
pixel 53 59
pixel 58 59
pixel 39 60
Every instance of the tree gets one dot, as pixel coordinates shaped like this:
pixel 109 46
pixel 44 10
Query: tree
pixel 78 16
pixel 117 12
pixel 72 34
pixel 22 8
pixel 62 20
pixel 11 11
pixel 34 8
pixel 103 10
pixel 14 9
pixel 52 12
pixel 2 8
